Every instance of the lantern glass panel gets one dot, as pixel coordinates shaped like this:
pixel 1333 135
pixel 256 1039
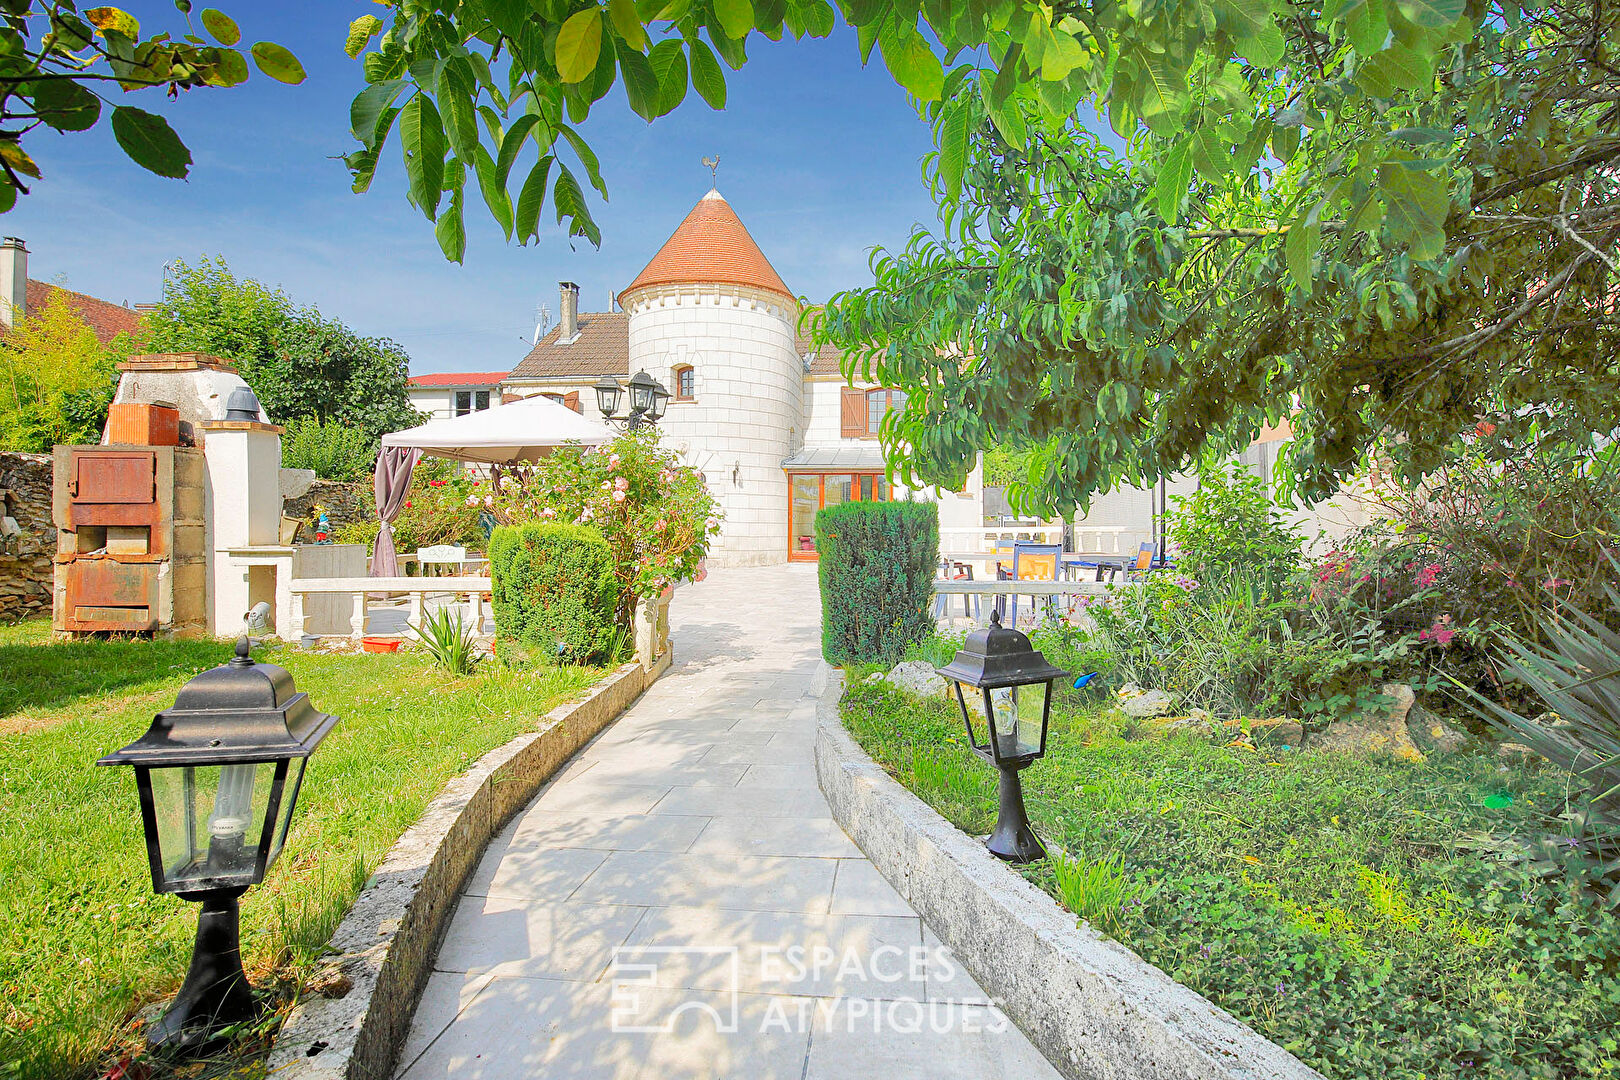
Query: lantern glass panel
pixel 210 823
pixel 641 394
pixel 1019 711
pixel 289 797
pixel 607 396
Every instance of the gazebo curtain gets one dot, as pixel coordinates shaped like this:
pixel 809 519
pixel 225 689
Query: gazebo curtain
pixel 395 464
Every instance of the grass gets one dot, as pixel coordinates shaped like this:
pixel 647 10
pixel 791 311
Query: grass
pixel 84 943
pixel 1363 913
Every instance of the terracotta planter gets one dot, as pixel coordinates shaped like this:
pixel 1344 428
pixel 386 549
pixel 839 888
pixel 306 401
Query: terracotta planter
pixel 379 645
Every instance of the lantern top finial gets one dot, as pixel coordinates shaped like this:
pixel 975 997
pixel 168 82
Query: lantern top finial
pixel 244 652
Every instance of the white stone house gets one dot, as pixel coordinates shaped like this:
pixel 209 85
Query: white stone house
pixel 773 426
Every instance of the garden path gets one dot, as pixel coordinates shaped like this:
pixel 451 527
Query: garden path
pixel 678 900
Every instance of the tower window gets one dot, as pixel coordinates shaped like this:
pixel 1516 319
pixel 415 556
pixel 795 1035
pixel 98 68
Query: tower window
pixel 685 383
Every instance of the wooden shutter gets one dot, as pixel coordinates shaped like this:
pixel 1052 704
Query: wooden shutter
pixel 852 413
pixel 571 399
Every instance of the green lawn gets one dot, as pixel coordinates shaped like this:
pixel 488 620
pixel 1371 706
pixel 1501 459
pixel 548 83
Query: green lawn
pixel 84 942
pixel 1360 912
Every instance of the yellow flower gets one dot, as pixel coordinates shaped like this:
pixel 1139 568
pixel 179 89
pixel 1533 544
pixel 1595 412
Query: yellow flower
pixel 1251 860
pixel 1169 806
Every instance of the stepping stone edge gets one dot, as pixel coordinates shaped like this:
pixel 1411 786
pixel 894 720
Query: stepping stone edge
pixel 382 952
pixel 1095 1009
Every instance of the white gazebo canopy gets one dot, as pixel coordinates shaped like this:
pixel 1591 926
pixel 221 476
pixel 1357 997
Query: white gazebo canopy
pixel 525 430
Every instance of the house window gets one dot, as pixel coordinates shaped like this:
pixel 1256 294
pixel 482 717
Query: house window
pixel 471 401
pixel 860 412
pixel 558 398
pixel 879 402
pixel 812 491
pixel 685 383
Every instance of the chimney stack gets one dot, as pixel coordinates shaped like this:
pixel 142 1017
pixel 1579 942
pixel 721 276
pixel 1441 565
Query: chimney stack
pixel 570 312
pixel 13 281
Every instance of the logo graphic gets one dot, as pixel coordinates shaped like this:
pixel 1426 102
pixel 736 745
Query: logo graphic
pixel 642 1005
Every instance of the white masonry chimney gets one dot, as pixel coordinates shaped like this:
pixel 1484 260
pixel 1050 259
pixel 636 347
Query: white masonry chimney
pixel 570 312
pixel 13 281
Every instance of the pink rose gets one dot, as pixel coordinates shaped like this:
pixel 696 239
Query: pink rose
pixel 618 496
pixel 622 484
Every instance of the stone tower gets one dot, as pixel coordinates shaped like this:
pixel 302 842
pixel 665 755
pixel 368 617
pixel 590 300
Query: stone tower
pixel 710 301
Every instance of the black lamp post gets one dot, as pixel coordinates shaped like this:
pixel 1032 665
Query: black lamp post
pixel 218 774
pixel 1017 684
pixel 648 399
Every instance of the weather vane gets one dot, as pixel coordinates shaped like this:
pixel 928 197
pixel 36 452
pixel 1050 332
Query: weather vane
pixel 714 169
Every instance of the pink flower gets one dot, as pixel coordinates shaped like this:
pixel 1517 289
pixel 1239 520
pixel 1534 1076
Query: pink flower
pixel 1427 575
pixel 489 501
pixel 1549 584
pixel 622 484
pixel 548 512
pixel 472 500
pixel 618 496
pixel 660 523
pixel 613 462
pixel 1440 633
pixel 435 483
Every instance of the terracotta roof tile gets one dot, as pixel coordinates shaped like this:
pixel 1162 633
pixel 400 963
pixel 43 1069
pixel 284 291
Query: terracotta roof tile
pixel 107 319
pixel 826 359
pixel 603 348
pixel 458 378
pixel 711 246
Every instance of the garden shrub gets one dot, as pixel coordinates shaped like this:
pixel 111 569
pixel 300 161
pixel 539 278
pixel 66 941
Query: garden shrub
pixel 335 451
pixel 1230 527
pixel 878 562
pixel 554 590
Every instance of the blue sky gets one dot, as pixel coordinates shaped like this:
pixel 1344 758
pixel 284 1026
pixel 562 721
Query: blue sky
pixel 819 157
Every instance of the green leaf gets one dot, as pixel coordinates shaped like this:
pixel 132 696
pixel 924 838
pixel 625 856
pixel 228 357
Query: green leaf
pixel 910 60
pixel 368 106
pixel 421 135
pixel 1244 18
pixel 953 145
pixel 460 117
pixel 65 105
pixel 1385 73
pixel 1211 154
pixel 278 63
pixel 1415 207
pixel 707 77
pixel 640 84
pixel 451 230
pixel 361 31
pixel 668 61
pixel 579 44
pixel 628 24
pixel 1367 27
pixel 1265 48
pixel 230 69
pixel 736 18
pixel 1501 800
pixel 493 187
pixel 224 29
pixel 1432 14
pixel 526 220
pixel 512 145
pixel 569 202
pixel 115 20
pixel 587 158
pixel 1174 178
pixel 1299 248
pixel 150 142
pixel 1162 96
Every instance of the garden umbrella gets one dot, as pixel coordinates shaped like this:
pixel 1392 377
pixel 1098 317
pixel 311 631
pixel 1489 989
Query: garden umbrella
pixel 519 431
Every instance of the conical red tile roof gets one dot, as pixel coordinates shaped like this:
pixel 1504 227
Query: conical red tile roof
pixel 711 246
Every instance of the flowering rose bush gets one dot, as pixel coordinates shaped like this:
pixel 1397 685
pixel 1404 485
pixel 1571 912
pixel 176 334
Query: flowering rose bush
pixel 655 513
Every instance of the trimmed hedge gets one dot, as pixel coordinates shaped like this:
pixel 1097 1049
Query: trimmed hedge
pixel 878 563
pixel 554 585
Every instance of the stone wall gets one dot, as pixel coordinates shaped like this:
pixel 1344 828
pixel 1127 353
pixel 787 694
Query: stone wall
pixel 346 502
pixel 26 571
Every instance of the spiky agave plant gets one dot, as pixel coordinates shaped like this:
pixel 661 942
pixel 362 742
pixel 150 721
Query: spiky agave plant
pixel 1576 674
pixel 451 641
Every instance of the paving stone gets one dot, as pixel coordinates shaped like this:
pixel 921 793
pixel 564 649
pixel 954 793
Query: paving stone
pixel 747 882
pixel 817 838
pixel 861 890
pixel 537 939
pixel 618 832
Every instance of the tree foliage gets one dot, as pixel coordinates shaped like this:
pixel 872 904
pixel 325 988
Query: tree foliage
pixel 56 379
pixel 1400 229
pixel 301 364
pixel 59 68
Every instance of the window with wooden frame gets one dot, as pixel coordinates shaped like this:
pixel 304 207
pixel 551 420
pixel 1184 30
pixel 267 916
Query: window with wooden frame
pixel 810 492
pixel 685 380
pixel 569 400
pixel 861 411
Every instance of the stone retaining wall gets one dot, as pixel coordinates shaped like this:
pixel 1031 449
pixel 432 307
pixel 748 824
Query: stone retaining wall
pixel 386 944
pixel 346 502
pixel 1093 1007
pixel 26 571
